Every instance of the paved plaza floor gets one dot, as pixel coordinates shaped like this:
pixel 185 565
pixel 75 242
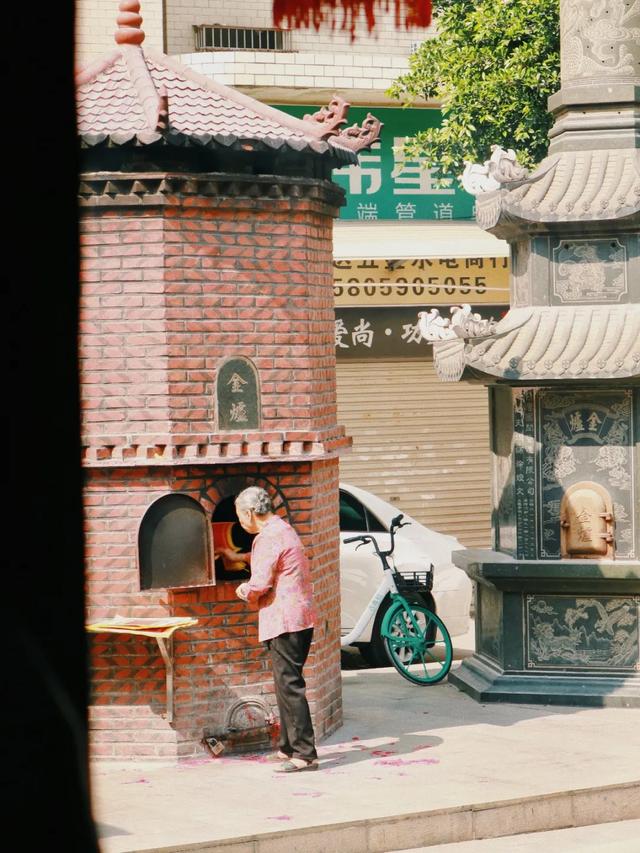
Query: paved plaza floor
pixel 411 767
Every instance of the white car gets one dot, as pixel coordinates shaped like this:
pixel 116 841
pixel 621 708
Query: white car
pixel 416 547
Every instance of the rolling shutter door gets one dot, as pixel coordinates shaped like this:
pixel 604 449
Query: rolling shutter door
pixel 419 443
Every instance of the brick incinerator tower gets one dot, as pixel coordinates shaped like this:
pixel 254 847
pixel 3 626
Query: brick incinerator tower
pixel 207 365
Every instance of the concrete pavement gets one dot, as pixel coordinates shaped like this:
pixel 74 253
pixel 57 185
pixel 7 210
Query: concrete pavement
pixel 411 767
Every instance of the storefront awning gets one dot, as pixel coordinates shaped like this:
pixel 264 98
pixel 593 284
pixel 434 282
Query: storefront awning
pixel 397 240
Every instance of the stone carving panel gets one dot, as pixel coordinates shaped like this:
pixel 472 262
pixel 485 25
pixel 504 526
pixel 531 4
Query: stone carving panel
pixel 570 632
pixel 589 271
pixel 599 39
pixel 586 436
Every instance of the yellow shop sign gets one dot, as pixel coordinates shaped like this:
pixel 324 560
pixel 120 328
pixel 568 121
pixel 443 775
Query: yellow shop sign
pixel 421 281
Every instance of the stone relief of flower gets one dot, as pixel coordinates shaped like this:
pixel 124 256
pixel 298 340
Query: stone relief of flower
pixel 559 463
pixel 609 457
pixel 620 479
pixel 620 512
pixel 625 535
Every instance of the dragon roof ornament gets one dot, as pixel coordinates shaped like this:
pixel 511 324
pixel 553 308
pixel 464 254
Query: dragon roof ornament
pixel 332 117
pixel 501 168
pixel 462 324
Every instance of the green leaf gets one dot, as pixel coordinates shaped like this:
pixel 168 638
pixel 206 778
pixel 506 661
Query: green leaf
pixel 492 66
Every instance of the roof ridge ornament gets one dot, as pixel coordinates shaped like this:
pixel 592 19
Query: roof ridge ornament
pixel 129 21
pixel 359 137
pixel 331 118
pixel 463 324
pixel 501 168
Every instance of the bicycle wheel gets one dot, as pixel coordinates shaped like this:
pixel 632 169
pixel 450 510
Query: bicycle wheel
pixel 422 656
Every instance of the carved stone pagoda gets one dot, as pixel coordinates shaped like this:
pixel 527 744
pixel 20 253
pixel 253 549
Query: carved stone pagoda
pixel 558 596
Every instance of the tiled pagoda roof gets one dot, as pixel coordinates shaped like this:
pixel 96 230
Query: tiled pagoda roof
pixel 571 186
pixel 541 343
pixel 138 97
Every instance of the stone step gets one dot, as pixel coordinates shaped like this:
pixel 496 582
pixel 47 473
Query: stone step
pixel 482 820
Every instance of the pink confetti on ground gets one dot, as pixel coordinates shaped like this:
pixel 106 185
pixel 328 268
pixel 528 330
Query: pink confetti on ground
pixel 307 793
pixel 423 746
pixel 196 762
pixel 280 817
pixel 355 737
pixel 257 759
pixel 383 752
pixel 138 781
pixel 401 762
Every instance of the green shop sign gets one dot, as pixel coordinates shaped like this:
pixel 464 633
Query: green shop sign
pixel 384 185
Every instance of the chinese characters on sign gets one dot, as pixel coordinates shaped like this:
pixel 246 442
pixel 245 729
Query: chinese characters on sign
pixel 386 186
pixel 364 332
pixel 421 281
pixel 524 458
pixel 237 396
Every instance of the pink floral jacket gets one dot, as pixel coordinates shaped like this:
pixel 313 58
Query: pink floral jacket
pixel 280 581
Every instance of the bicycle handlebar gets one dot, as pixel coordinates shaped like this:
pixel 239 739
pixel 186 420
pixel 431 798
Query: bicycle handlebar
pixel 396 524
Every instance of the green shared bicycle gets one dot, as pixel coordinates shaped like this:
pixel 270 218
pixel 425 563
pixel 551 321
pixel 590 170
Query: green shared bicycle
pixel 416 640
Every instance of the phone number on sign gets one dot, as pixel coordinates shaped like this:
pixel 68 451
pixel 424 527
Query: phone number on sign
pixel 418 286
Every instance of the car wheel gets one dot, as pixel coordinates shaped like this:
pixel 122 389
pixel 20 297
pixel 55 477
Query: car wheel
pixel 375 653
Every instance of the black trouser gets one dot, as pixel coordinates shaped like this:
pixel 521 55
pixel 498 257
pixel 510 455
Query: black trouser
pixel 288 656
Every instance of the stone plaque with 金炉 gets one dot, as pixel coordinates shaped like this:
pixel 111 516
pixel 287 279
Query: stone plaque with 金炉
pixel 238 396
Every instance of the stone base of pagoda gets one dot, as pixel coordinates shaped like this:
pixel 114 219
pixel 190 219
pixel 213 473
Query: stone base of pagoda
pixel 485 683
pixel 554 632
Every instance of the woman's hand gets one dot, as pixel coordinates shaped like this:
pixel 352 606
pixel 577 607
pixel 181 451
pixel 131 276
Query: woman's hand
pixel 230 555
pixel 241 592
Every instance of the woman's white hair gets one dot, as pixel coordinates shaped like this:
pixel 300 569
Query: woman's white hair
pixel 256 499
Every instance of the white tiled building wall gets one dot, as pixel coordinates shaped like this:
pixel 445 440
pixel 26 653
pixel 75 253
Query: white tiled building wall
pixel 387 40
pixel 341 71
pixel 96 24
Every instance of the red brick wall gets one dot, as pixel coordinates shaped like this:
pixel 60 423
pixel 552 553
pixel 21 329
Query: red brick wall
pixel 170 293
pixel 220 660
pixel 123 338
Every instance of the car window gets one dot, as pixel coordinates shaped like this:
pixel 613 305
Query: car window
pixel 353 515
pixel 356 517
pixel 373 525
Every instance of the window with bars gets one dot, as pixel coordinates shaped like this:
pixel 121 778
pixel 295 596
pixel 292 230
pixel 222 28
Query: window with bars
pixel 215 37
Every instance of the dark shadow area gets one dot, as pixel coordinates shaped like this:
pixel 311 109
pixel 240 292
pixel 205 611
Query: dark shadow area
pixel 229 533
pixel 105 830
pixel 44 736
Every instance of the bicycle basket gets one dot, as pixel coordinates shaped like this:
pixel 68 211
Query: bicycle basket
pixel 421 581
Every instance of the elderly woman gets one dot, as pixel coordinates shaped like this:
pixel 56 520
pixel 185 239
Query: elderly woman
pixel 280 585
